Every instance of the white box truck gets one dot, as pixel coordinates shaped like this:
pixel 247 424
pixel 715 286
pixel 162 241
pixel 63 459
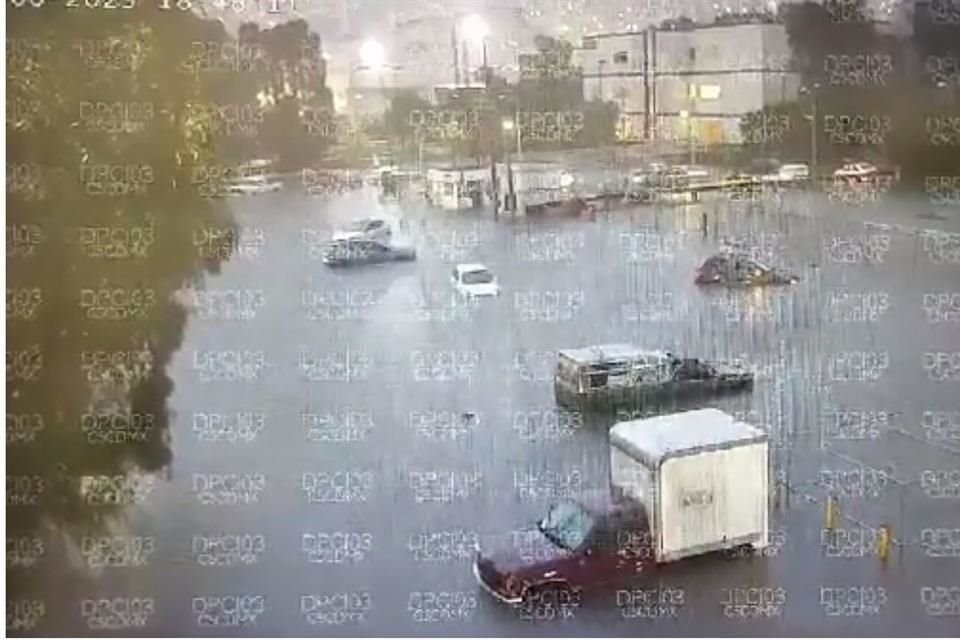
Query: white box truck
pixel 702 476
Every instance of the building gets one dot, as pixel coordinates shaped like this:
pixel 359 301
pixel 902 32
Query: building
pixel 696 82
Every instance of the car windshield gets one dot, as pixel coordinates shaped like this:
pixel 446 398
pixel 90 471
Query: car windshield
pixel 714 264
pixel 360 225
pixel 477 277
pixel 567 525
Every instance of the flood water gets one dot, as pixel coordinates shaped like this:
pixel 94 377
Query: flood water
pixel 323 479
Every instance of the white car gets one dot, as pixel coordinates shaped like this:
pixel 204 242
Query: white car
pixel 794 171
pixel 254 185
pixel 365 229
pixel 855 171
pixel 475 280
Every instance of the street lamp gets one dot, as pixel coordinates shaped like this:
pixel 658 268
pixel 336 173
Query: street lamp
pixel 812 92
pixel 477 30
pixel 600 64
pixel 508 126
pixel 372 53
pixel 685 116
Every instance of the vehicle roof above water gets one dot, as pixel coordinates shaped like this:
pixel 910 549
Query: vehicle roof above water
pixel 655 439
pixel 471 268
pixel 362 223
pixel 732 254
pixel 598 354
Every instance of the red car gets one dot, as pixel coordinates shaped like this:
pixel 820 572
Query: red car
pixel 590 542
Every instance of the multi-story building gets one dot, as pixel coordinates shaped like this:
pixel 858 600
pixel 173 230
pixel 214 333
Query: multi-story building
pixel 697 82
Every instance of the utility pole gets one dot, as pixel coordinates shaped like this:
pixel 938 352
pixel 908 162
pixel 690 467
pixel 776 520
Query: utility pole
pixel 813 129
pixel 508 126
pixel 813 136
pixel 486 71
pixel 646 86
pixel 456 56
pixel 600 64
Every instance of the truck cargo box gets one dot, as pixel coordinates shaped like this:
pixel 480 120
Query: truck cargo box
pixel 702 476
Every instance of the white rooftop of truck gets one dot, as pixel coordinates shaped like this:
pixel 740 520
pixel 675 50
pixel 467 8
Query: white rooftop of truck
pixel 656 439
pixel 601 353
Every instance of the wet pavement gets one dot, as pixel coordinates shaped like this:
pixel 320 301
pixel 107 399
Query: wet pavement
pixel 325 480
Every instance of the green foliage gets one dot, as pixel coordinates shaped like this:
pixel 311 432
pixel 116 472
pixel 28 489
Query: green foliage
pixel 398 115
pixel 902 94
pixel 63 363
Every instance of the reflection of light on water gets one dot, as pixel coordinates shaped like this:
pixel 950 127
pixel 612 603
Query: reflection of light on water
pixel 756 301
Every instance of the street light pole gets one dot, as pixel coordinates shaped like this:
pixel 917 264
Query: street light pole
pixel 509 125
pixel 516 120
pixel 813 135
pixel 486 70
pixel 813 129
pixel 600 64
pixel 692 93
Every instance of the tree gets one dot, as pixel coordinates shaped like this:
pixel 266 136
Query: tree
pixel 868 75
pixel 105 150
pixel 291 79
pixel 404 103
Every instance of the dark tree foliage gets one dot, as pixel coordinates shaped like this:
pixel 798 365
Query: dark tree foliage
pixel 105 139
pixel 853 70
pixel 292 83
pixel 402 105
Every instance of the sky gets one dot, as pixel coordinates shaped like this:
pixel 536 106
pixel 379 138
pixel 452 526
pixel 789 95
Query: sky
pixel 336 19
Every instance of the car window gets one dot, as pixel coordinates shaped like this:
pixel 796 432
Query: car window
pixel 567 525
pixel 477 277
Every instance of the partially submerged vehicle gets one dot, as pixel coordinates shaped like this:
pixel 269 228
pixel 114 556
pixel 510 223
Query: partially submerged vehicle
pixel 358 251
pixel 683 487
pixel 612 375
pixel 736 268
pixel 474 280
pixel 253 185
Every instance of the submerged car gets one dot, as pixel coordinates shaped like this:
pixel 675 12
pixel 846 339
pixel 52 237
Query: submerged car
pixel 475 280
pixel 589 542
pixel 739 269
pixel 355 251
pixel 254 185
pixel 612 375
pixel 854 171
pixel 366 229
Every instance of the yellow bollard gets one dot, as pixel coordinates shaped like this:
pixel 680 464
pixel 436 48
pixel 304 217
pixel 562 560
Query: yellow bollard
pixel 884 540
pixel 833 512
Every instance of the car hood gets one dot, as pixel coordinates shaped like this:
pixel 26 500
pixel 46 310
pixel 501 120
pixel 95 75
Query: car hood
pixel 486 289
pixel 347 235
pixel 523 552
